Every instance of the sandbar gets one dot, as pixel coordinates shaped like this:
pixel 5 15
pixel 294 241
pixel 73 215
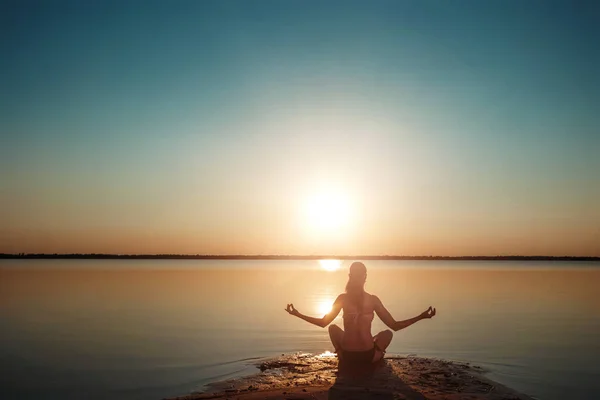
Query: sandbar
pixel 320 377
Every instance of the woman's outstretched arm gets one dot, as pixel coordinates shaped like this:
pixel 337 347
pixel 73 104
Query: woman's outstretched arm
pixel 387 318
pixel 321 322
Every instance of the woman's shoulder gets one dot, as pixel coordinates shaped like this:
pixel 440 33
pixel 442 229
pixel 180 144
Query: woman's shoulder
pixel 368 296
pixel 372 297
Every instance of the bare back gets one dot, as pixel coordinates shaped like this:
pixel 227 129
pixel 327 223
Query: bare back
pixel 357 323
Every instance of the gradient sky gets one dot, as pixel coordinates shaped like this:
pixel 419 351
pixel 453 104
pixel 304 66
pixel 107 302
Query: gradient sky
pixel 450 127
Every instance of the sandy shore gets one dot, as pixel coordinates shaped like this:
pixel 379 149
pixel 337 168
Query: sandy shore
pixel 317 377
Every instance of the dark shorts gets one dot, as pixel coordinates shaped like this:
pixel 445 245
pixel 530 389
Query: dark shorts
pixel 358 357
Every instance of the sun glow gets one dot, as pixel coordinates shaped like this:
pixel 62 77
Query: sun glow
pixel 327 212
pixel 330 265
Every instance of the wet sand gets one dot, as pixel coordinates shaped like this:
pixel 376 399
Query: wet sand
pixel 305 376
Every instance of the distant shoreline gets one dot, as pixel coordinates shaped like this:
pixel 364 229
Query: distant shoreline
pixel 288 257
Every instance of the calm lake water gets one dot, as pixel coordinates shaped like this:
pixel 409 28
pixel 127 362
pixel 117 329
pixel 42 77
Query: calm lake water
pixel 74 329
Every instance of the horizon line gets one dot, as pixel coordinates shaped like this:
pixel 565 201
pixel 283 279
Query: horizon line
pixel 292 257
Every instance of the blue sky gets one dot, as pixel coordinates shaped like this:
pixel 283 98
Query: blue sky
pixel 199 126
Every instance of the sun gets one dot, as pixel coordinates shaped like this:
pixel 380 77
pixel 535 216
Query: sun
pixel 327 212
pixel 330 265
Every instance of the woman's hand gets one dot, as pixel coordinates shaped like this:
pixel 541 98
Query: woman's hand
pixel 429 313
pixel 291 310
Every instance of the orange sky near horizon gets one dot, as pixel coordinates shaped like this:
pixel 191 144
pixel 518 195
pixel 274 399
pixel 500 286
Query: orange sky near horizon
pixel 401 239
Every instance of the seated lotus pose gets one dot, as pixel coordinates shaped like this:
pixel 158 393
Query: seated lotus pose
pixel 354 344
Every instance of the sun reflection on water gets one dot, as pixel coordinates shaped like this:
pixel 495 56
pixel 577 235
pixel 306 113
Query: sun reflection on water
pixel 324 305
pixel 326 354
pixel 330 265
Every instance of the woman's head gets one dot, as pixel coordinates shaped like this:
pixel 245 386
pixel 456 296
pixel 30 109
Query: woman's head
pixel 355 288
pixel 358 273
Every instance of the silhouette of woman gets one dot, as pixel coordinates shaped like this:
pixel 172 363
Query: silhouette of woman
pixel 354 344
